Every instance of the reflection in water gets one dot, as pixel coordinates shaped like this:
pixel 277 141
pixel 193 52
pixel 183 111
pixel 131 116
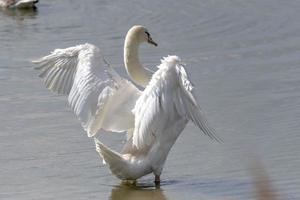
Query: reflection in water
pixel 127 191
pixel 260 188
pixel 20 14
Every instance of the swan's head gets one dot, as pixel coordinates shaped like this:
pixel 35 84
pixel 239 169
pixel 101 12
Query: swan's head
pixel 141 34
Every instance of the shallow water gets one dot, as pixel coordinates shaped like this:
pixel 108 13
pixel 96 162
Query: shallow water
pixel 243 57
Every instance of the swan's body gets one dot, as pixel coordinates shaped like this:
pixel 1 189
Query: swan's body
pixel 18 3
pixel 101 99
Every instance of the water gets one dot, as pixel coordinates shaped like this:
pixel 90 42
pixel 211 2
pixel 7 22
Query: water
pixel 243 57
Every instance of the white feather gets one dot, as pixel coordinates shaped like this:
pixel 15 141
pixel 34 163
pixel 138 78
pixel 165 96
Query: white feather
pixel 166 99
pixel 101 99
pixel 97 95
pixel 161 113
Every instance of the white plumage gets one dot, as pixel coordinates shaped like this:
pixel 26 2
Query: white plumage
pixel 96 93
pixel 101 99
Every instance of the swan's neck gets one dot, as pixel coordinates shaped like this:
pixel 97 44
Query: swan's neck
pixel 135 70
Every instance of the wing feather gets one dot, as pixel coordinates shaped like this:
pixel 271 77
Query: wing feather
pixel 167 100
pixel 99 97
pixel 190 105
pixel 59 61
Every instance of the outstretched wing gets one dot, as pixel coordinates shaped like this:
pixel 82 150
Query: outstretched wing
pixel 166 100
pixel 99 97
pixel 187 104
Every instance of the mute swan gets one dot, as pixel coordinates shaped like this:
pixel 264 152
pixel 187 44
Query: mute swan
pixel 101 99
pixel 18 3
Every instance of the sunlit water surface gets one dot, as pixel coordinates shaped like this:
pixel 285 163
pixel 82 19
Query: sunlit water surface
pixel 243 57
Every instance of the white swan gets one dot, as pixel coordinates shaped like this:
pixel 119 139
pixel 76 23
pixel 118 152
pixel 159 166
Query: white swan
pixel 18 3
pixel 101 99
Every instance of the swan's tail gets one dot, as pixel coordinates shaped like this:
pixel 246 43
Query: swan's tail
pixel 117 164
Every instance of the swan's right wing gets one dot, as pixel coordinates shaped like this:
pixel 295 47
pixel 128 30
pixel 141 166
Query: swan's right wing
pixel 99 97
pixel 187 104
pixel 166 101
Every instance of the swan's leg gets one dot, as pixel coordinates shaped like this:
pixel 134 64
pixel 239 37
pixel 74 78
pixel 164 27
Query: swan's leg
pixel 157 179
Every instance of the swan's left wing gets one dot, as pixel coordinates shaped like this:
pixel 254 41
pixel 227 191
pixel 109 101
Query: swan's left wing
pixel 167 99
pixel 99 97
